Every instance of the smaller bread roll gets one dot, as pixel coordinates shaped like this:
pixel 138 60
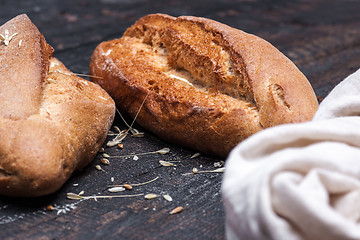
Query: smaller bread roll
pixel 51 121
pixel 207 86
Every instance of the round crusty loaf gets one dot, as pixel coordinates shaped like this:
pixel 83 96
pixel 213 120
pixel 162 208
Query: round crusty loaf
pixel 207 86
pixel 51 121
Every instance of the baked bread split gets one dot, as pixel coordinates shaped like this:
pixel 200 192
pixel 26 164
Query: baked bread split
pixel 207 86
pixel 51 121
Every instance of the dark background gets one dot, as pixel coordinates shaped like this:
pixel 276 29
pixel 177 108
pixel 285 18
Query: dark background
pixel 322 37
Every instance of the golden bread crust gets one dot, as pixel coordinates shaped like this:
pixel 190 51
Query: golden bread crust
pixel 61 126
pixel 207 86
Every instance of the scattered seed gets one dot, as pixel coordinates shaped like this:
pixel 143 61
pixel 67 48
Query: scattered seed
pixel 120 146
pixel 163 151
pixel 81 193
pixel 219 164
pixel 50 208
pixel 134 130
pixel 128 186
pixel 219 170
pixel 166 164
pixel 195 170
pixel 112 179
pixel 118 139
pixel 102 150
pixel 116 189
pixel 167 197
pixel 139 135
pixel 104 161
pixel 195 155
pixel 122 134
pixel 106 155
pixel 176 210
pixel 75 184
pixel 151 196
pixel 136 133
pixel 135 158
pixel 74 196
pixel 99 168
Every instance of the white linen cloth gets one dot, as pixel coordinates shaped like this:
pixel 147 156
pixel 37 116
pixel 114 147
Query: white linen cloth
pixel 299 181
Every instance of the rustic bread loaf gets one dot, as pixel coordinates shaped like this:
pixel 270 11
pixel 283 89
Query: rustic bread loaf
pixel 51 121
pixel 207 86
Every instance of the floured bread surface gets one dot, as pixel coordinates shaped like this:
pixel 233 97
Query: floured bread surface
pixel 61 126
pixel 207 86
pixel 22 61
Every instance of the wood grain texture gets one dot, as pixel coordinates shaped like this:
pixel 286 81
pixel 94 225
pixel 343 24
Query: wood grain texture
pixel 322 37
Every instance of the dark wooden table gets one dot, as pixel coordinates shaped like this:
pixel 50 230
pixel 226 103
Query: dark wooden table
pixel 322 37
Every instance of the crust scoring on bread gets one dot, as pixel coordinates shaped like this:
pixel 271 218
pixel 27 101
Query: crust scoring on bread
pixel 51 121
pixel 208 86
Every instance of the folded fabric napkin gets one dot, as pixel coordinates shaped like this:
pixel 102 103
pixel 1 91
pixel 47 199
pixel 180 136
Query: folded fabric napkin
pixel 299 181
